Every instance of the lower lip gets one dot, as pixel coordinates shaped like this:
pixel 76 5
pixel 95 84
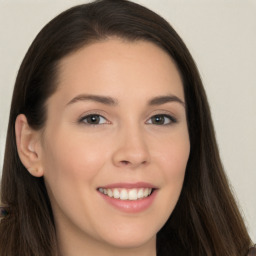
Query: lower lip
pixel 131 206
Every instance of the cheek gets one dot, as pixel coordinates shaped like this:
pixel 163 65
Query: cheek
pixel 72 160
pixel 174 154
pixel 72 164
pixel 173 160
pixel 74 153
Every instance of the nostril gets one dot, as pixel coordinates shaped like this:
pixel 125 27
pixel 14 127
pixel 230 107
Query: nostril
pixel 125 162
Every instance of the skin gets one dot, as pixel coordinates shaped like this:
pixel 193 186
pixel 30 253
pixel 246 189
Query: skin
pixel 76 157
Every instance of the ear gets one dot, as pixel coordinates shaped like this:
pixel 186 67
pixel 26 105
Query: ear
pixel 28 146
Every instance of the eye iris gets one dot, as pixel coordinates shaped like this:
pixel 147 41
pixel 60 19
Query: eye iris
pixel 94 119
pixel 158 120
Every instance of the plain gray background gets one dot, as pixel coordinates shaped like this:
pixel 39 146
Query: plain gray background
pixel 221 36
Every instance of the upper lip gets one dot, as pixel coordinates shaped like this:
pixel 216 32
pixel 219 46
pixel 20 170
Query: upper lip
pixel 129 185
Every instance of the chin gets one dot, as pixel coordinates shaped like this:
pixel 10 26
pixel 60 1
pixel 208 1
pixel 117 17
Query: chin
pixel 132 239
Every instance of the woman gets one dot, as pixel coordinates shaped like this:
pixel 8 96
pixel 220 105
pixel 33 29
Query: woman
pixel 110 147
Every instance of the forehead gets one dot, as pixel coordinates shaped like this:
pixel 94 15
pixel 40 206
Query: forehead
pixel 115 66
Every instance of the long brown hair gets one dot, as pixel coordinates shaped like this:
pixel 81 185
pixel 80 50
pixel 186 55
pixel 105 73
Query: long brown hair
pixel 206 219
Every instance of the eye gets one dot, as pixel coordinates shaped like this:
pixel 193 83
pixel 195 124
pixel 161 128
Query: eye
pixel 161 120
pixel 93 119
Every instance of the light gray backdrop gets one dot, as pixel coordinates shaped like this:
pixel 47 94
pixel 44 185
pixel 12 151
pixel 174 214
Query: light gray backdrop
pixel 221 36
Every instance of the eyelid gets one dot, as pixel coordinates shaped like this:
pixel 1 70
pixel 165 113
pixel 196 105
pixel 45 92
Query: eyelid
pixel 163 113
pixel 93 113
pixel 103 114
pixel 88 116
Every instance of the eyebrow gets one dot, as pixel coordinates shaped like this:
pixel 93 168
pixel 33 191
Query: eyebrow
pixel 106 100
pixel 159 100
pixel 97 98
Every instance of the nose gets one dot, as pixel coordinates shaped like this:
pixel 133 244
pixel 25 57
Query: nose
pixel 131 150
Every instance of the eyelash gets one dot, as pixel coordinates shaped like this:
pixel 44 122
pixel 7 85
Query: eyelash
pixel 82 120
pixel 171 119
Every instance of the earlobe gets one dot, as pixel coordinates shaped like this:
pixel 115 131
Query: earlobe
pixel 37 172
pixel 28 146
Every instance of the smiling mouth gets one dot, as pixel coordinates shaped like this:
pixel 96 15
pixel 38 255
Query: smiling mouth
pixel 127 194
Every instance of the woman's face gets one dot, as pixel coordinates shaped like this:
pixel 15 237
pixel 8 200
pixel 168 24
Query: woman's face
pixel 116 125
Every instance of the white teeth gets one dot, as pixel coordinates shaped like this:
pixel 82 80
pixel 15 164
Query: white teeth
pixel 133 194
pixel 127 194
pixel 140 193
pixel 110 193
pixel 124 194
pixel 116 193
pixel 145 192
